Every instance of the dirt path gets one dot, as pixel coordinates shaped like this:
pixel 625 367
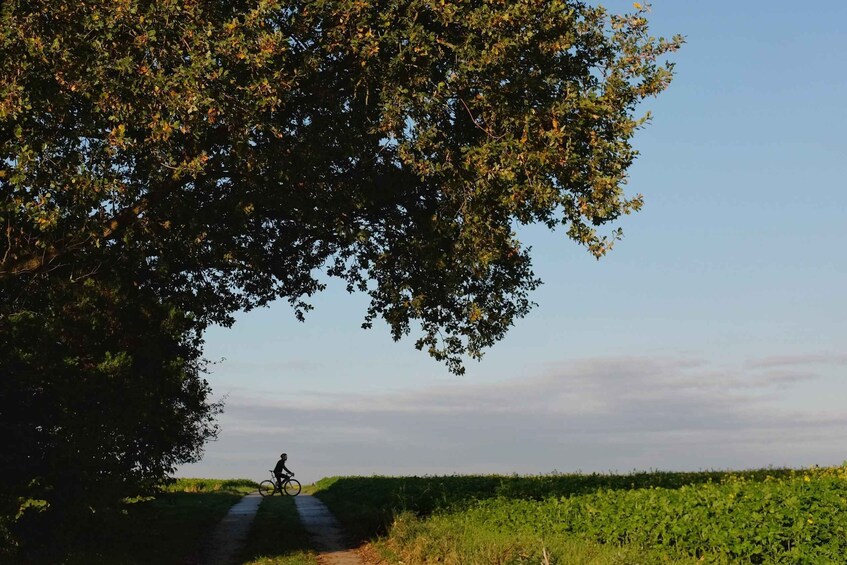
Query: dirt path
pixel 327 535
pixel 228 538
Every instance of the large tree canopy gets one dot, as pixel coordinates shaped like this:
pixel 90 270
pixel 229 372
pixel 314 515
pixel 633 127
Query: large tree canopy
pixel 167 163
pixel 233 150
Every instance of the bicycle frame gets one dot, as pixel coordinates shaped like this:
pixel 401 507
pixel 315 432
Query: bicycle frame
pixel 286 486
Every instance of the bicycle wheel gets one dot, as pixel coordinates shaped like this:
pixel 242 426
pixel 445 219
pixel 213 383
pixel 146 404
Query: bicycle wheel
pixel 267 488
pixel 292 487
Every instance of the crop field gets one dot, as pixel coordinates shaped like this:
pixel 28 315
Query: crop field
pixel 760 516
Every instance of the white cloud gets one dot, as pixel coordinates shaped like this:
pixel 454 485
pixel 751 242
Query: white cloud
pixel 592 414
pixel 799 360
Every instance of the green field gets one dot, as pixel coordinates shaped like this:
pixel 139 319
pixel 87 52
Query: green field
pixel 762 516
pixel 773 516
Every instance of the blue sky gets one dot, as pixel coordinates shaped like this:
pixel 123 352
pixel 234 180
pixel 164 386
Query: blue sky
pixel 713 336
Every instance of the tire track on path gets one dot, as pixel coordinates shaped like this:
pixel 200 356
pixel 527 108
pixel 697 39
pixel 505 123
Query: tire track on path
pixel 326 534
pixel 231 533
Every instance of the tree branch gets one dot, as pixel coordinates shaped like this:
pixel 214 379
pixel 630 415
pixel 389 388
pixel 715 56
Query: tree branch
pixel 37 262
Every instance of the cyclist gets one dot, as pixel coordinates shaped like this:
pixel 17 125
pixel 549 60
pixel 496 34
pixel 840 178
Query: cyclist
pixel 280 467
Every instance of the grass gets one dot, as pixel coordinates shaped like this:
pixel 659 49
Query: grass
pixel 277 537
pixel 238 486
pixel 165 529
pixel 169 529
pixel 773 516
pixel 453 540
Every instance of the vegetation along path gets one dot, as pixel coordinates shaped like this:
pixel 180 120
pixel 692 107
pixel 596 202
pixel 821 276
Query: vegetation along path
pixel 229 536
pixel 327 536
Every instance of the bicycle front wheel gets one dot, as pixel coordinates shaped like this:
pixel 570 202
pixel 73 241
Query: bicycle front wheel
pixel 266 488
pixel 292 487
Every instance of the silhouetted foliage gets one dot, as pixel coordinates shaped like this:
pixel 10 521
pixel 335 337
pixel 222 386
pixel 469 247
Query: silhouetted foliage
pixel 101 398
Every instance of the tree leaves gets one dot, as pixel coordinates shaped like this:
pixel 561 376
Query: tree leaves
pixel 331 118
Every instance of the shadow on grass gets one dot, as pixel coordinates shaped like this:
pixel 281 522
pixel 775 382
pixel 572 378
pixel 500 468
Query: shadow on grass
pixel 277 537
pixel 168 530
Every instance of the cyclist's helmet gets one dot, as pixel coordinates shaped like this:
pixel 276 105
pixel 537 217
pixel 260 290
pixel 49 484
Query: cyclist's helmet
pixel 284 456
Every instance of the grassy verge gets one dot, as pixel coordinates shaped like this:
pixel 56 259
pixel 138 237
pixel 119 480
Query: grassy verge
pixel 455 540
pixel 166 529
pixel 277 537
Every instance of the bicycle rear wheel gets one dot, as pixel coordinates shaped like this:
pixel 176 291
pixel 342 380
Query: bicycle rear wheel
pixel 266 488
pixel 292 487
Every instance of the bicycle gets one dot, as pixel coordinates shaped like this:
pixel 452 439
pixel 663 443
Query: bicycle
pixel 287 485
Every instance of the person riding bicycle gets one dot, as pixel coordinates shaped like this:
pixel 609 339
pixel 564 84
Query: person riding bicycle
pixel 281 480
pixel 280 467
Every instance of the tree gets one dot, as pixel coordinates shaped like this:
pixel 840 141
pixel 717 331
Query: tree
pixel 101 397
pixel 211 156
